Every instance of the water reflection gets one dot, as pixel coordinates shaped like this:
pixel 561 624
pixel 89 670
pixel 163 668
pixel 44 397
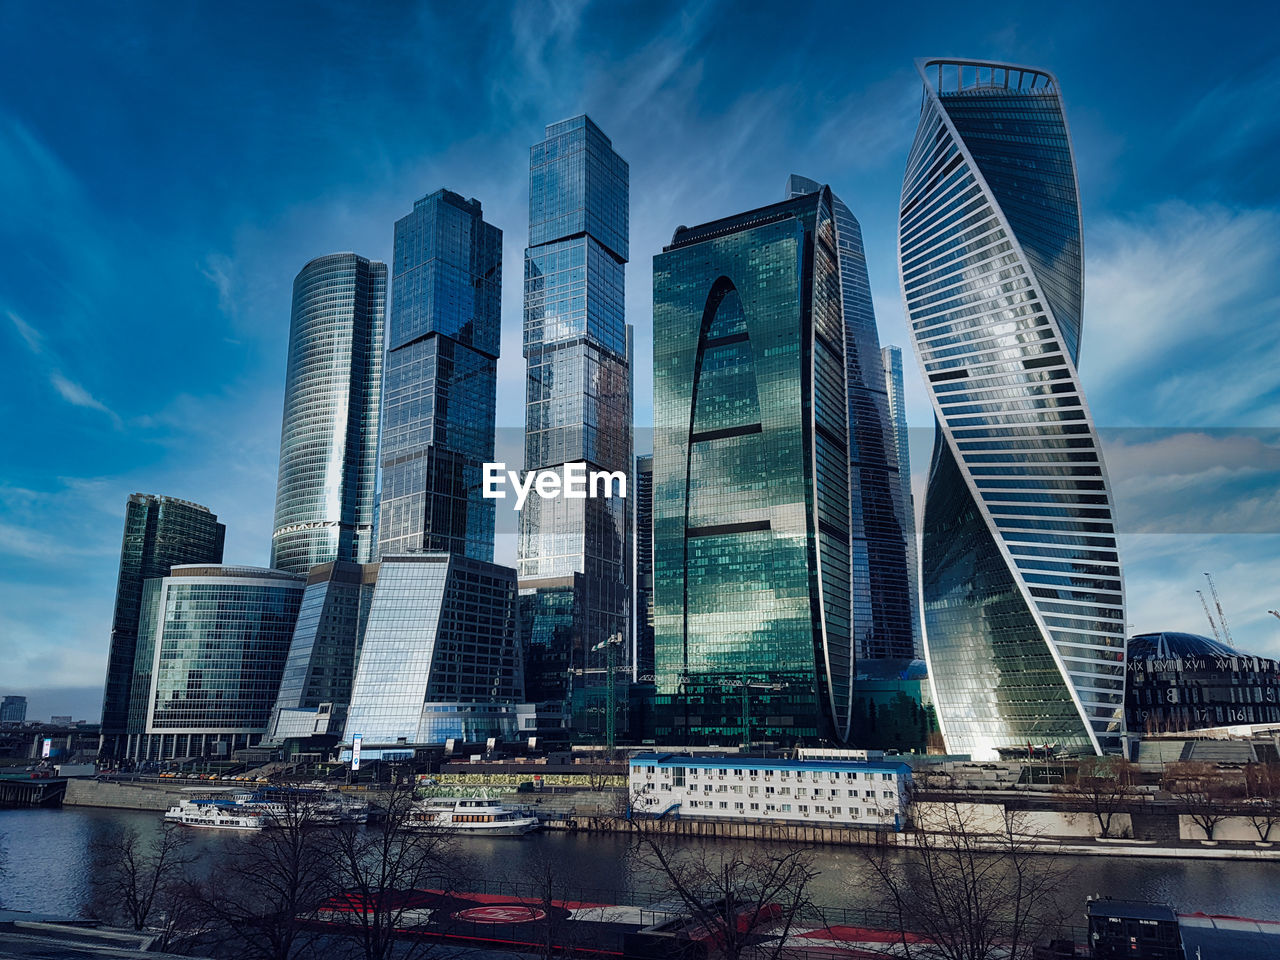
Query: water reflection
pixel 49 866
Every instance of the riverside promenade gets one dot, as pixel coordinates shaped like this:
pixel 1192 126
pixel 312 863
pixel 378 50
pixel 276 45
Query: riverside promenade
pixel 1162 833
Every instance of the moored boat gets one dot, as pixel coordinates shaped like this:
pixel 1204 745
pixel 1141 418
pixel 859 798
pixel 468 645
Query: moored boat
pixel 474 816
pixel 213 815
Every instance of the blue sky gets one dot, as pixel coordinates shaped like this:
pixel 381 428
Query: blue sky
pixel 165 170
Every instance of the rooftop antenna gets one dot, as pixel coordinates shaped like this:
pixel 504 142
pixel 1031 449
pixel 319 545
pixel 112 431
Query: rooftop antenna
pixel 1212 626
pixel 1222 617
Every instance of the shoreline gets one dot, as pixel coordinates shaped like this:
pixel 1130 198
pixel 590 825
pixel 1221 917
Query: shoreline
pixel 157 798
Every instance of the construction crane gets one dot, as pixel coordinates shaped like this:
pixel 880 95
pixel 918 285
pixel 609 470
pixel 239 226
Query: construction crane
pixel 1212 626
pixel 1222 617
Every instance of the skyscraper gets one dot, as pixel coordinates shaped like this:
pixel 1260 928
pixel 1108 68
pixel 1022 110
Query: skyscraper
pixel 753 553
pixel 440 379
pixel 642 500
pixel 211 647
pixel 895 389
pixel 881 584
pixel 574 559
pixel 441 653
pixel 326 507
pixel 315 688
pixel 1024 608
pixel 158 532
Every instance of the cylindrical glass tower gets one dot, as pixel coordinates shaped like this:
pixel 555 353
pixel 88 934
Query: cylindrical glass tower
pixel 325 503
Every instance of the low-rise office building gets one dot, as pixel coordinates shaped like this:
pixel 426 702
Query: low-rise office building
pixel 212 644
pixel 850 793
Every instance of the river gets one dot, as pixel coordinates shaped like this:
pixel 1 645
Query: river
pixel 48 868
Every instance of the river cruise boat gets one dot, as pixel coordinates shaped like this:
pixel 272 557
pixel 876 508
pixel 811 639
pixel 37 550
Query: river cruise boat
pixel 214 816
pixel 477 816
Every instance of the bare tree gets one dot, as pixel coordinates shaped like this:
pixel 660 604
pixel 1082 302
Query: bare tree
pixel 143 884
pixel 262 897
pixel 1203 792
pixel 378 868
pixel 1262 784
pixel 967 887
pixel 739 901
pixel 1103 785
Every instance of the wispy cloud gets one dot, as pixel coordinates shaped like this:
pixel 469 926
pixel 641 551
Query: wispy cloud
pixel 30 336
pixel 70 391
pixel 1179 317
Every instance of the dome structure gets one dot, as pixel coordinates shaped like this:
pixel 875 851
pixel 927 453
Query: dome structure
pixel 1170 644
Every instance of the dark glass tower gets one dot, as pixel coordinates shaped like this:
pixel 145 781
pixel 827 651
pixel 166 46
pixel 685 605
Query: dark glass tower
pixel 158 533
pixel 895 388
pixel 1023 601
pixel 440 380
pixel 881 583
pixel 643 527
pixel 753 553
pixel 326 502
pixel 574 560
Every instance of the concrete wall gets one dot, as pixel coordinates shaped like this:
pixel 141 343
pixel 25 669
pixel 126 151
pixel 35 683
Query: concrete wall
pixel 125 796
pixel 1230 830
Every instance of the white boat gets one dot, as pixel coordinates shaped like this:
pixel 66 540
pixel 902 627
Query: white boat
pixel 213 816
pixel 476 816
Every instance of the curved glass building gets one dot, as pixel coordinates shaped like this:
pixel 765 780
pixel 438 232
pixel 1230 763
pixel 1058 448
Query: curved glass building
pixel 753 547
pixel 1024 608
pixel 325 496
pixel 212 644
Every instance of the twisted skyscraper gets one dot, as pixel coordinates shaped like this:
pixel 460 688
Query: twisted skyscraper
pixel 1024 608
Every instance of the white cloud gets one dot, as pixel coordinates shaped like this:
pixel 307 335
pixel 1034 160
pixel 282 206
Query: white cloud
pixel 78 396
pixel 28 333
pixel 1163 573
pixel 1180 303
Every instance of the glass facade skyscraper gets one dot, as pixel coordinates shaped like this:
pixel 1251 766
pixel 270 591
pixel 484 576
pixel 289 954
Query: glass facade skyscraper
pixel 881 585
pixel 643 531
pixel 158 533
pixel 315 688
pixel 574 558
pixel 895 390
pixel 1023 602
pixel 441 653
pixel 326 503
pixel 753 554
pixel 211 649
pixel 440 379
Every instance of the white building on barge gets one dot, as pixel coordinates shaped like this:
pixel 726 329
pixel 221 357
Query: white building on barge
pixel 839 792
